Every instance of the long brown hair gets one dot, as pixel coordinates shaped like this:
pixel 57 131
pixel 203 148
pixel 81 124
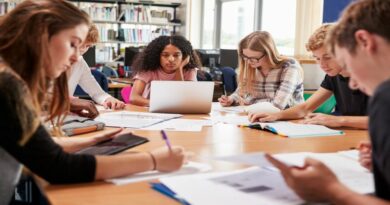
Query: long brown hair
pixel 24 38
pixel 260 41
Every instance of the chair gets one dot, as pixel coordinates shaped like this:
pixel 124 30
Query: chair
pixel 229 79
pixel 109 72
pixel 327 107
pixel 101 79
pixel 125 94
pixel 203 76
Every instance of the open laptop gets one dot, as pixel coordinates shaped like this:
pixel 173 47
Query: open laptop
pixel 184 97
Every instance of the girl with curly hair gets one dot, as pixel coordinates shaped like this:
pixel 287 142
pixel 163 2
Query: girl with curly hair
pixel 165 58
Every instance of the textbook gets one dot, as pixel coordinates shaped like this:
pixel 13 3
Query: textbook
pixel 296 130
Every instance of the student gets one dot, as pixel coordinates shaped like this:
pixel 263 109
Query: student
pixel 39 40
pixel 80 74
pixel 361 44
pixel 165 58
pixel 350 104
pixel 264 75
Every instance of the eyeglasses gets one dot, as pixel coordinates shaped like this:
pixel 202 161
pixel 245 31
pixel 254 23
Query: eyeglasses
pixel 252 59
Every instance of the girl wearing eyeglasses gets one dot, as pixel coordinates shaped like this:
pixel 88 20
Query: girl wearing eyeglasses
pixel 165 58
pixel 264 75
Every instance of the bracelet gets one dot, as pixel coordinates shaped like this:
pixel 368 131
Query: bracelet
pixel 154 160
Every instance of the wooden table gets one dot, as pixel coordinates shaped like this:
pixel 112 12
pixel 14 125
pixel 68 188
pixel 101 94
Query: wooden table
pixel 221 139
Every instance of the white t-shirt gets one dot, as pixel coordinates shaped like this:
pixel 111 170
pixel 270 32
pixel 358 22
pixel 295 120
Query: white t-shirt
pixel 80 74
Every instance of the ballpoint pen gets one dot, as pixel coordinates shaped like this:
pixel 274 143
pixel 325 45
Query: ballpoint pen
pixel 165 137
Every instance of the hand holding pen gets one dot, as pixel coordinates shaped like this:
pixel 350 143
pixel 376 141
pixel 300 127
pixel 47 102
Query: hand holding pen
pixel 168 158
pixel 225 100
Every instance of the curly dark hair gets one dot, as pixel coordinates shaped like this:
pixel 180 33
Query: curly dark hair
pixel 149 59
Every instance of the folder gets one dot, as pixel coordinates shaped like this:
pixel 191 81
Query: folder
pixel 160 187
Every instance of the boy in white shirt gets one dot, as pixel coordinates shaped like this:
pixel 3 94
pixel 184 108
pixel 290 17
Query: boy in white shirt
pixel 80 74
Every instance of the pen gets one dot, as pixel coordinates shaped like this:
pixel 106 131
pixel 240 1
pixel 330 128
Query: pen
pixel 165 137
pixel 224 90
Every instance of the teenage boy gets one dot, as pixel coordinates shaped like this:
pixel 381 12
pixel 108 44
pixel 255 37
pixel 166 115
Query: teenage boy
pixel 351 105
pixel 361 44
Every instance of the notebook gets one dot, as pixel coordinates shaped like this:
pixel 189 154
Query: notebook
pixel 296 130
pixel 187 97
pixel 75 125
pixel 115 145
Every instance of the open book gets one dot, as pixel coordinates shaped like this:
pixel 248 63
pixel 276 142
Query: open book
pixel 296 130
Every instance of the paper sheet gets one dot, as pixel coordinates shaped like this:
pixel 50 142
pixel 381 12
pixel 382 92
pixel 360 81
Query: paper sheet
pixel 216 106
pixel 231 119
pixel 133 119
pixel 189 168
pixel 186 125
pixel 250 186
pixel 256 159
pixel 348 170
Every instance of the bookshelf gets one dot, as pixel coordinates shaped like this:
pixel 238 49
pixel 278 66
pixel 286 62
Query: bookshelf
pixel 123 23
pixel 129 23
pixel 7 5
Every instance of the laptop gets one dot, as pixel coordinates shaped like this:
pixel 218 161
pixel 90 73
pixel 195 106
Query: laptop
pixel 184 97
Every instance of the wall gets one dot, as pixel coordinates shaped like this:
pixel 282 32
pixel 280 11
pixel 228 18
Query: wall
pixel 333 9
pixel 313 76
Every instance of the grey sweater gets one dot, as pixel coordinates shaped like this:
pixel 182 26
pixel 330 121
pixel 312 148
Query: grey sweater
pixel 10 171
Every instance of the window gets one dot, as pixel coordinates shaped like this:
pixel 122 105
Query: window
pixel 208 24
pixel 237 20
pixel 280 22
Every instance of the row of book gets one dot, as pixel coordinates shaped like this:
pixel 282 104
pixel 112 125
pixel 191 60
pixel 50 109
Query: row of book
pixel 144 14
pixel 100 12
pixel 7 6
pixel 128 13
pixel 136 35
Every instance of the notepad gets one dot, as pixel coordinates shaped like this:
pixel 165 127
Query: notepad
pixel 296 130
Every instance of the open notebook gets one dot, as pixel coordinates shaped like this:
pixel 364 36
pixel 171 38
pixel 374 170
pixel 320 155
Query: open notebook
pixel 296 130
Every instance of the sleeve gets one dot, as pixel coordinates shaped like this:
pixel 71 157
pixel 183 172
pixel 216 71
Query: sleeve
pixel 144 76
pixel 18 120
pixel 380 133
pixel 47 159
pixel 236 96
pixel 88 83
pixel 289 80
pixel 327 83
pixel 191 75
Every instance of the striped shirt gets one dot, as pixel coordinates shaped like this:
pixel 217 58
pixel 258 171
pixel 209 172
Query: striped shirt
pixel 283 87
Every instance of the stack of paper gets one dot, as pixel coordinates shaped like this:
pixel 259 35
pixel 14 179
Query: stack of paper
pixel 134 119
pixel 346 168
pixel 250 186
pixel 263 184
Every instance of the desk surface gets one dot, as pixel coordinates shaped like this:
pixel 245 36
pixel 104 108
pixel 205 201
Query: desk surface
pixel 221 139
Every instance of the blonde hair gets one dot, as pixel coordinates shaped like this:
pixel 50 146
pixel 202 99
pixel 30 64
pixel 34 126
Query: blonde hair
pixel 93 35
pixel 25 33
pixel 260 41
pixel 317 39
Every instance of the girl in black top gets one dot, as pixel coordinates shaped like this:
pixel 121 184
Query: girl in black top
pixel 39 40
